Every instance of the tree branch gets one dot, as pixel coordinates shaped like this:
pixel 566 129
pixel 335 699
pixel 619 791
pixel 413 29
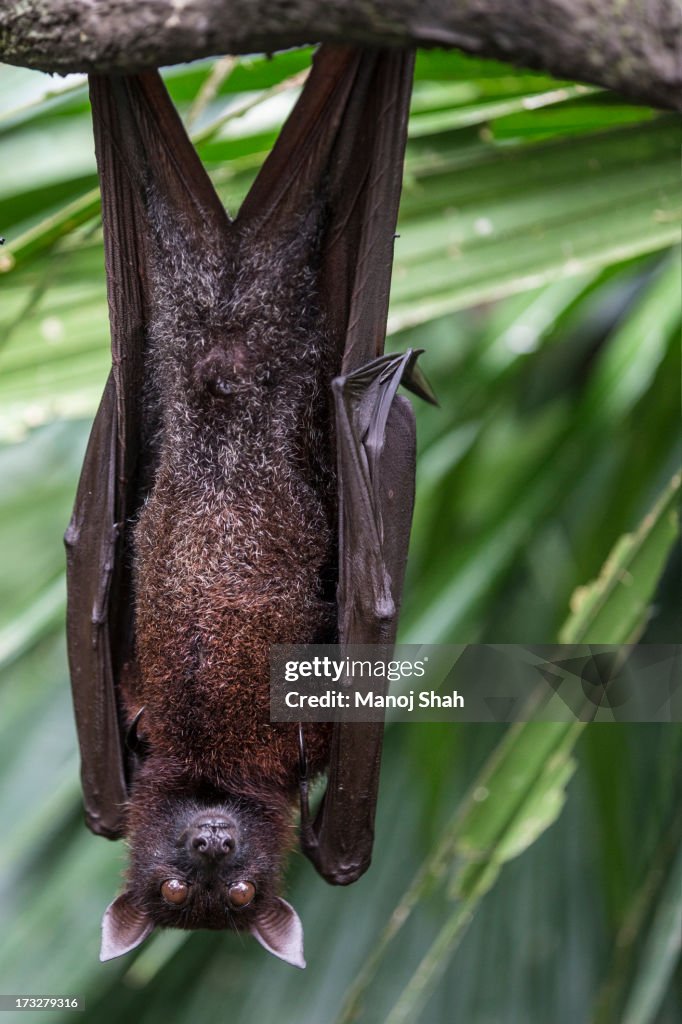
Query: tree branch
pixel 632 46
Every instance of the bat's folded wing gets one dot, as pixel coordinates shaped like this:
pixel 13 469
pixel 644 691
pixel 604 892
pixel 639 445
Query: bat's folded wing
pixel 91 545
pixel 376 458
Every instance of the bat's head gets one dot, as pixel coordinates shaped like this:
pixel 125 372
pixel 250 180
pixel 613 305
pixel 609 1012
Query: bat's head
pixel 198 862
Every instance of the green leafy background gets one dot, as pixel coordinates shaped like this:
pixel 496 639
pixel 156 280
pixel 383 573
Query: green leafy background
pixel 530 873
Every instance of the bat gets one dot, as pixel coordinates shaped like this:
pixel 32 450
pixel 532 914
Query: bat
pixel 248 480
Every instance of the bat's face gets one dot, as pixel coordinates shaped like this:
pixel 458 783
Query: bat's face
pixel 203 864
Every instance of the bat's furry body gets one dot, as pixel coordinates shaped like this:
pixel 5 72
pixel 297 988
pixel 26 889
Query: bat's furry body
pixel 232 543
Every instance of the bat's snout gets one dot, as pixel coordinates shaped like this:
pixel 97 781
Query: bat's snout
pixel 211 840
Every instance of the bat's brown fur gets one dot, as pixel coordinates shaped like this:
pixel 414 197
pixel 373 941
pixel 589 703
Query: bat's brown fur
pixel 232 543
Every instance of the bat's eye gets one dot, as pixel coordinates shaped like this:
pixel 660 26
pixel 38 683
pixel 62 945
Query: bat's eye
pixel 240 894
pixel 174 891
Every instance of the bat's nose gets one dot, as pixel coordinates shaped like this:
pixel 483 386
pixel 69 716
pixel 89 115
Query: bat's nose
pixel 213 839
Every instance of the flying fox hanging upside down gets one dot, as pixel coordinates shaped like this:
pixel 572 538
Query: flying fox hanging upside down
pixel 248 481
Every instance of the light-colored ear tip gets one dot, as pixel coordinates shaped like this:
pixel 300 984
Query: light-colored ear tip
pixel 106 952
pixel 279 930
pixel 124 927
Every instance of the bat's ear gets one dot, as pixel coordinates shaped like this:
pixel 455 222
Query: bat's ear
pixel 124 927
pixel 278 928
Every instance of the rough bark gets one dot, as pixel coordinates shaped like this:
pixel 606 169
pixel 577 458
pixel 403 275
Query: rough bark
pixel 632 46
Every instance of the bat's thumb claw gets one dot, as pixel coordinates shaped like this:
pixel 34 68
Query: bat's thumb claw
pixel 416 381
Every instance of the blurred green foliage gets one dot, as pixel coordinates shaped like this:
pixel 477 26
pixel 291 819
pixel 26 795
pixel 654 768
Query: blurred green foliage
pixel 537 266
